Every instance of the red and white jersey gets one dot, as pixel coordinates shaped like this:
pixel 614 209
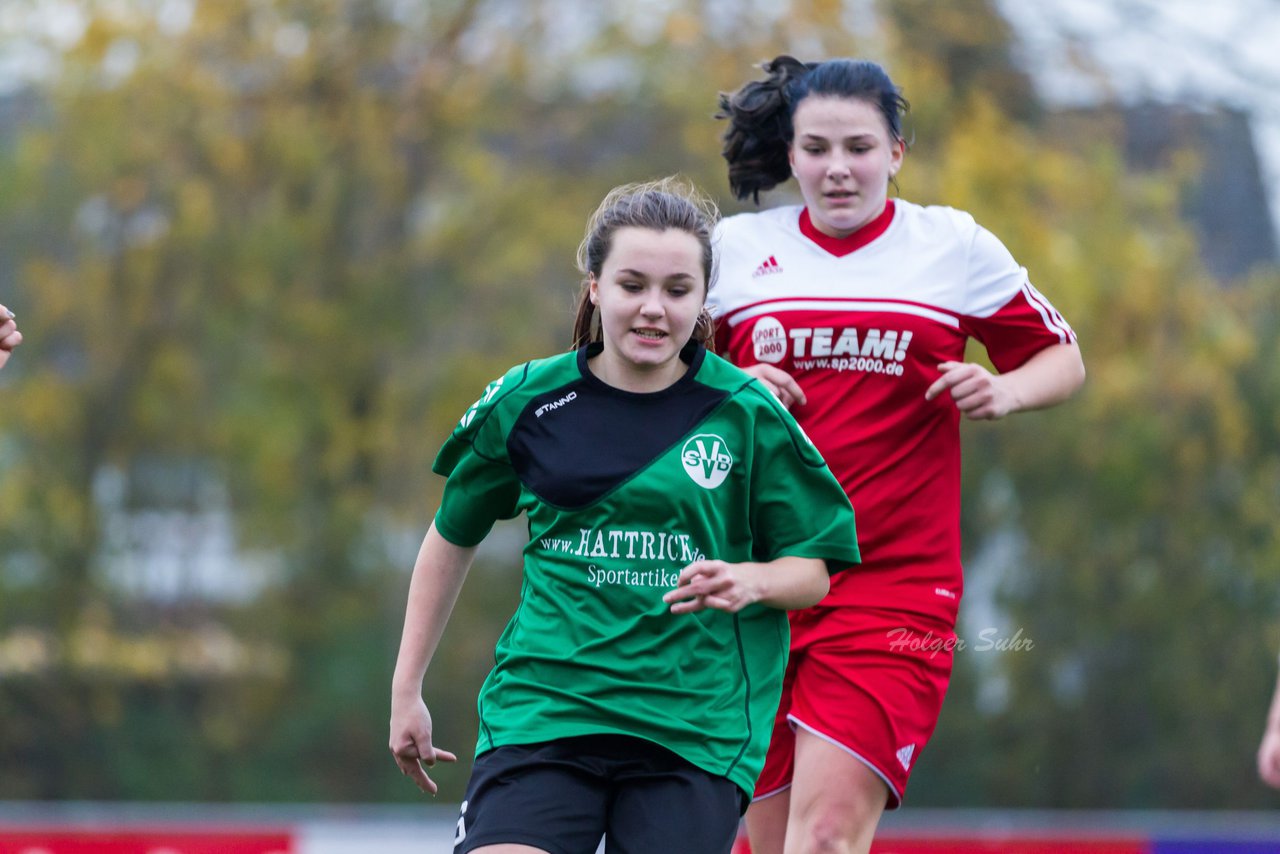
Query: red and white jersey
pixel 862 324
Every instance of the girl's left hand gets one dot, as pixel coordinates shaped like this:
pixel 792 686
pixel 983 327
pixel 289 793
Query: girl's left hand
pixel 411 741
pixel 713 584
pixel 979 394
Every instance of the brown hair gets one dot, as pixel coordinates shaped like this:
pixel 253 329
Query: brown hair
pixel 668 203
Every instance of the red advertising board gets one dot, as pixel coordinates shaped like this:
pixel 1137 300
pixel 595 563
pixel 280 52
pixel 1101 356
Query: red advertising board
pixel 144 841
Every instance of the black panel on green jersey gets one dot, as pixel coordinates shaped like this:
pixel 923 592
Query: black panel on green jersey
pixel 575 443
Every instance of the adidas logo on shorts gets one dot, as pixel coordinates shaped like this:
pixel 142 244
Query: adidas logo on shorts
pixel 904 756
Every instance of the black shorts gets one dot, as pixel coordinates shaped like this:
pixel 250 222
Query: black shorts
pixel 562 796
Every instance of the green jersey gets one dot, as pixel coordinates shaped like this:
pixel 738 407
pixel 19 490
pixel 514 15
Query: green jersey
pixel 622 491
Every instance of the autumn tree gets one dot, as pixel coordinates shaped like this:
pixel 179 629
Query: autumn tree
pixel 266 252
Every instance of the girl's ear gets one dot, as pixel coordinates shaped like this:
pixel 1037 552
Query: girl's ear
pixel 593 289
pixel 895 159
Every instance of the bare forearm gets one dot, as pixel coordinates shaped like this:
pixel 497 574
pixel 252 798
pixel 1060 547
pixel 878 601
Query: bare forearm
pixel 793 582
pixel 788 583
pixel 437 579
pixel 1047 378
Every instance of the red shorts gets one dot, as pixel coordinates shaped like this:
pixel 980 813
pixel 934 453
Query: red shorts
pixel 869 681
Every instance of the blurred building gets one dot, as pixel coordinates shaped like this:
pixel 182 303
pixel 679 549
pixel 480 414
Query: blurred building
pixel 1211 152
pixel 169 535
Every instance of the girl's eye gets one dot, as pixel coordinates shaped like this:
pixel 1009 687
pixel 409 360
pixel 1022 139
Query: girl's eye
pixel 631 287
pixel 678 291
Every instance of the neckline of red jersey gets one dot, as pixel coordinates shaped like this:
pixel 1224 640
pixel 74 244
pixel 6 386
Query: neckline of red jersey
pixel 841 246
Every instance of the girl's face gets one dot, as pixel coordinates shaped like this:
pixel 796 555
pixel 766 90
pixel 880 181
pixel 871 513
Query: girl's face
pixel 650 292
pixel 843 157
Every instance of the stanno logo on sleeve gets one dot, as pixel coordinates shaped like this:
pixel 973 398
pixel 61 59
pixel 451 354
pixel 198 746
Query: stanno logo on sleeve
pixel 767 266
pixel 706 459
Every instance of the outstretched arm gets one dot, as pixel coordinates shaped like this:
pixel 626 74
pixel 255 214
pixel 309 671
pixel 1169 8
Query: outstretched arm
pixel 437 579
pixel 1046 379
pixel 788 583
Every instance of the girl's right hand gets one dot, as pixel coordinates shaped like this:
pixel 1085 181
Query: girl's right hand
pixel 411 742
pixel 781 383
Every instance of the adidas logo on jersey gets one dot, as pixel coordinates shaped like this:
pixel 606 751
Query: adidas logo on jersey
pixel 904 756
pixel 769 265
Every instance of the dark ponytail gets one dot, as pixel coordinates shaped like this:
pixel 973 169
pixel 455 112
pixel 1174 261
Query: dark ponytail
pixel 759 134
pixel 758 139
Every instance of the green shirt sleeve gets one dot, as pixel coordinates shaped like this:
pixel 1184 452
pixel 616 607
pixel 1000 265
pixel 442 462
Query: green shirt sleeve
pixel 798 508
pixel 481 486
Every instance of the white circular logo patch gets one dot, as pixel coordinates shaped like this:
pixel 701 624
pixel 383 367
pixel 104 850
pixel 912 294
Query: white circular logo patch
pixel 770 340
pixel 706 459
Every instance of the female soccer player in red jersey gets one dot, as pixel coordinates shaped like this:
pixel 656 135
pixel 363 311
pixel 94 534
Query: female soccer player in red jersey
pixel 855 309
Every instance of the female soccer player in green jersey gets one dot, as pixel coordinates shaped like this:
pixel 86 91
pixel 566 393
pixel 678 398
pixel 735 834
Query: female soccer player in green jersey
pixel 675 510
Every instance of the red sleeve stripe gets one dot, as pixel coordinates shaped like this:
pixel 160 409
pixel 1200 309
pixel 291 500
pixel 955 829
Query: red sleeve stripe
pixel 1052 318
